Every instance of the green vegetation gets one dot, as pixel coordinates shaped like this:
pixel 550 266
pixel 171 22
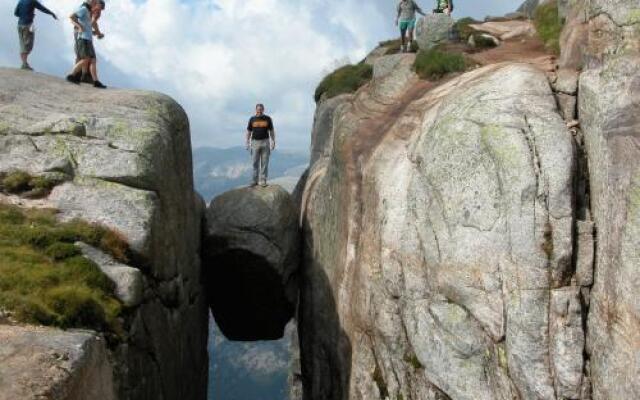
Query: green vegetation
pixel 18 182
pixel 548 25
pixel 345 79
pixel 483 42
pixel 393 46
pixel 46 281
pixel 462 27
pixel 434 63
pixel 380 383
pixel 413 360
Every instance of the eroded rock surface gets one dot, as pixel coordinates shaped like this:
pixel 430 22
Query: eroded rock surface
pixel 438 242
pixel 252 253
pixel 124 158
pixel 41 363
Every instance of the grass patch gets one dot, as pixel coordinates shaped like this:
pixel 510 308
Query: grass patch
pixel 19 182
pixel 345 79
pixel 413 360
pixel 548 25
pixel 380 383
pixel 393 46
pixel 483 42
pixel 45 280
pixel 463 29
pixel 434 63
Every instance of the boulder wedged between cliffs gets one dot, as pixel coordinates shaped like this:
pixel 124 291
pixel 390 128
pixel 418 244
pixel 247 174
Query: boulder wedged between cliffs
pixel 250 258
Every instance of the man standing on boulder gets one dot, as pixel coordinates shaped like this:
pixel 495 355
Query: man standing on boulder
pixel 25 11
pixel 96 12
pixel 406 20
pixel 444 6
pixel 259 131
pixel 84 23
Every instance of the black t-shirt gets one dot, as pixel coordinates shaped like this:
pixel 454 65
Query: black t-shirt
pixel 259 126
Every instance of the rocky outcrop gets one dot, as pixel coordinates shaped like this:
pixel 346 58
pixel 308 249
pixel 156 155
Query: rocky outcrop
pixel 124 160
pixel 41 363
pixel 251 258
pixel 433 29
pixel 609 110
pixel 441 235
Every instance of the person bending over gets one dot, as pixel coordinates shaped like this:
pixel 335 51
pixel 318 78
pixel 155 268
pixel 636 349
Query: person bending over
pixel 96 12
pixel 406 20
pixel 444 6
pixel 84 24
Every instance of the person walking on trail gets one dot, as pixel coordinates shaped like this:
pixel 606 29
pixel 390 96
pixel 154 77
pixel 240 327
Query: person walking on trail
pixel 85 25
pixel 25 11
pixel 406 21
pixel 96 13
pixel 444 6
pixel 261 139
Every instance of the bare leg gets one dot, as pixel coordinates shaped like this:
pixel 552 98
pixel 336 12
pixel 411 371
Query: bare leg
pixel 409 39
pixel 94 69
pixel 403 32
pixel 78 67
pixel 24 57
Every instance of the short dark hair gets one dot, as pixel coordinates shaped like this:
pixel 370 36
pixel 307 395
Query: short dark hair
pixel 259 105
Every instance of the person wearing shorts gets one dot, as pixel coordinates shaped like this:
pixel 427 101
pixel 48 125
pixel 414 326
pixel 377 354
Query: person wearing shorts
pixel 83 22
pixel 25 11
pixel 443 7
pixel 406 21
pixel 96 12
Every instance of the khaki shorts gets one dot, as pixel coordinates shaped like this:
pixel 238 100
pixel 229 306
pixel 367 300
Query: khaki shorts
pixel 26 39
pixel 84 49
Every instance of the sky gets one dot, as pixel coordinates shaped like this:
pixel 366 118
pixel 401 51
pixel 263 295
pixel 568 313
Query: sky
pixel 218 58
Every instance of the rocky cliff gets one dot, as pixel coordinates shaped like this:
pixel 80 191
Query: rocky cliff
pixel 467 238
pixel 122 160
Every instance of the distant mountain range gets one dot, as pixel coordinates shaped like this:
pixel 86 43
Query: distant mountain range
pixel 245 371
pixel 218 170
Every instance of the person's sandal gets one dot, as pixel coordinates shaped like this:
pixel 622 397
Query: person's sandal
pixel 99 85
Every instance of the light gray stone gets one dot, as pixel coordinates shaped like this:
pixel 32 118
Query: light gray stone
pixel 585 253
pixel 567 342
pixel 126 158
pixel 252 255
pixel 433 29
pixel 566 81
pixel 567 104
pixel 42 363
pixel 128 280
pixel 433 238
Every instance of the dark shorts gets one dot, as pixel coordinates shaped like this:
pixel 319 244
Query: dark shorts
pixel 84 49
pixel 26 39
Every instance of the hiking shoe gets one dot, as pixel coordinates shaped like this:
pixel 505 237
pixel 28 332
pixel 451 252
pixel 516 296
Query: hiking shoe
pixel 73 79
pixel 86 78
pixel 253 184
pixel 26 67
pixel 99 85
pixel 263 184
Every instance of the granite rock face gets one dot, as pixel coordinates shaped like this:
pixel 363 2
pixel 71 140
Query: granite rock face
pixel 609 109
pixel 433 29
pixel 436 241
pixel 125 161
pixel 40 363
pixel 251 257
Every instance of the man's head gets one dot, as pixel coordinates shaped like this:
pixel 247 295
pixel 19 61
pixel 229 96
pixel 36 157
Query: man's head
pixel 98 7
pixel 259 109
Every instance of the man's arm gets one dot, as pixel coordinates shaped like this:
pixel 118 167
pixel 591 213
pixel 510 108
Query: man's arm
pixel 248 139
pixel 74 20
pixel 15 12
pixel 95 28
pixel 272 134
pixel 418 9
pixel 44 9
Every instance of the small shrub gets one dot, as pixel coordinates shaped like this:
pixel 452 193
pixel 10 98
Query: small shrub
pixel 75 306
pixel 345 79
pixel 548 25
pixel 413 360
pixel 16 182
pixel 433 63
pixel 393 46
pixel 483 42
pixel 60 251
pixel 380 383
pixel 463 29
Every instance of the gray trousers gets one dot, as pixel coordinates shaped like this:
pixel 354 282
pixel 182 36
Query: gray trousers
pixel 260 153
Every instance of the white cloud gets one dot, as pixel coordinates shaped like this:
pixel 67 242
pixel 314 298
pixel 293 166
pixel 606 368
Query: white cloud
pixel 219 58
